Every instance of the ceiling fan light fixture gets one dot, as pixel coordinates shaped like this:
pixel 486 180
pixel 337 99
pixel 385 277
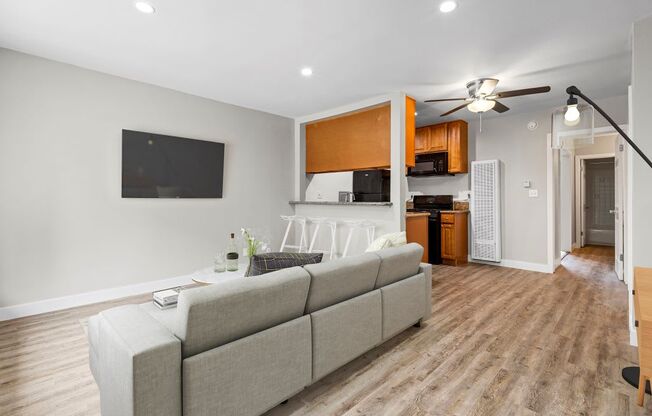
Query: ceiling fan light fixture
pixel 481 105
pixel 447 6
pixel 144 7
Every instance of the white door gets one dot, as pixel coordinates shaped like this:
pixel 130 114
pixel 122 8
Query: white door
pixel 566 178
pixel 582 201
pixel 619 175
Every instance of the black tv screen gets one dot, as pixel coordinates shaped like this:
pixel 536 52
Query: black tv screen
pixel 159 166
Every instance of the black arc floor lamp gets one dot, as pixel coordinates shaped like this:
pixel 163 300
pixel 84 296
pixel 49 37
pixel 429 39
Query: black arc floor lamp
pixel 573 113
pixel 630 374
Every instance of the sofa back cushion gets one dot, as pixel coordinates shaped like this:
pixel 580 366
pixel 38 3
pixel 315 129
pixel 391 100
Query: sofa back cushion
pixel 208 317
pixel 339 280
pixel 398 263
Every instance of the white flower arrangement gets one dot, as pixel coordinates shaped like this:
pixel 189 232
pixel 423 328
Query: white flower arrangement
pixel 253 244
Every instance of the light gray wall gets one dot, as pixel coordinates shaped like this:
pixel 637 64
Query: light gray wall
pixel 642 135
pixel 64 228
pixel 523 156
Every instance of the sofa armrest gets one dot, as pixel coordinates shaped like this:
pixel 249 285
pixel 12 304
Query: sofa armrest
pixel 426 269
pixel 139 364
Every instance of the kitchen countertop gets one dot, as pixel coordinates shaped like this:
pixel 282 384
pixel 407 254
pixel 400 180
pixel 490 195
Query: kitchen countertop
pixel 362 204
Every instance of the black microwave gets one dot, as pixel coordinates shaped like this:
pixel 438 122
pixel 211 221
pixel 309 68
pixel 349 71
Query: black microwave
pixel 430 164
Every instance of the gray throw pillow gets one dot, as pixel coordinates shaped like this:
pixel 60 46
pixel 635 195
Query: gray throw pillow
pixel 270 262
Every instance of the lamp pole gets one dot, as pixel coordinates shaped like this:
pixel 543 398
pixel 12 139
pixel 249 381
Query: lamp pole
pixel 573 90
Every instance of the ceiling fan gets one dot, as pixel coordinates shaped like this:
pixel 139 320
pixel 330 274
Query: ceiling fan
pixel 482 97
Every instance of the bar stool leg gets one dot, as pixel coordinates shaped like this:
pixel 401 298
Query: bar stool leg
pixel 348 242
pixel 303 241
pixel 314 238
pixel 333 240
pixel 641 388
pixel 285 237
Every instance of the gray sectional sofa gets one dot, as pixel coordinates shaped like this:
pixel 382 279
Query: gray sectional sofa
pixel 242 347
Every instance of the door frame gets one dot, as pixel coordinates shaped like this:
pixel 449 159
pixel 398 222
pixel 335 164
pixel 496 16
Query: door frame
pixel 552 179
pixel 580 187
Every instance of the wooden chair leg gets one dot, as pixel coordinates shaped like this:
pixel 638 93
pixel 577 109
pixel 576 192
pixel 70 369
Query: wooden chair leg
pixel 641 389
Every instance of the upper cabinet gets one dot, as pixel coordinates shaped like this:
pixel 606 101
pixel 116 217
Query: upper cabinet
pixel 457 133
pixel 451 137
pixel 357 141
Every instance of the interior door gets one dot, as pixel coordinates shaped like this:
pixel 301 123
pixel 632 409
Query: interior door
pixel 566 179
pixel 619 223
pixel 582 202
pixel 599 201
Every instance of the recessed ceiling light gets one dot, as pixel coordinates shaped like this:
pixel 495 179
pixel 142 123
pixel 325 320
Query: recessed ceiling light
pixel 416 113
pixel 306 72
pixel 144 7
pixel 447 6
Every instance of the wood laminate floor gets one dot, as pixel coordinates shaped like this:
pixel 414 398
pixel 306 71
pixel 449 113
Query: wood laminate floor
pixel 500 342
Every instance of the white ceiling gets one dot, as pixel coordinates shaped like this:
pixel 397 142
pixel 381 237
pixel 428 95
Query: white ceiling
pixel 249 52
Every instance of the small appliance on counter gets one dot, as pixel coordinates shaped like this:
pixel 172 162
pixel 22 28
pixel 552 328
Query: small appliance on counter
pixel 430 164
pixel 345 196
pixel 371 185
pixel 433 204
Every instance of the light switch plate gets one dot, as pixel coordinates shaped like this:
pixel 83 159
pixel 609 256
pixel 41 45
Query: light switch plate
pixel 533 193
pixel 527 184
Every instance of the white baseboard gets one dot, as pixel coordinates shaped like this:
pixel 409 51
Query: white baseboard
pixel 71 301
pixel 515 264
pixel 633 341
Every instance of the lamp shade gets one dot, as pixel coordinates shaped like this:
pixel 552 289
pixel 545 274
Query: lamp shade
pixel 481 105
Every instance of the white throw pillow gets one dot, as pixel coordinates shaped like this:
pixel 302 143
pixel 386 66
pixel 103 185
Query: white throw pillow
pixel 387 241
pixel 379 244
pixel 397 239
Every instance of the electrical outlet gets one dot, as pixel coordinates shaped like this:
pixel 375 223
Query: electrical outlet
pixel 533 193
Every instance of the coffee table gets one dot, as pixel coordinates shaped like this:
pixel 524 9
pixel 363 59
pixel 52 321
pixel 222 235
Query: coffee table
pixel 208 277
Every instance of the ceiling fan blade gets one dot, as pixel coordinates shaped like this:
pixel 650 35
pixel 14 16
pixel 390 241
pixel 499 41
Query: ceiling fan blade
pixel 445 99
pixel 525 91
pixel 454 110
pixel 500 107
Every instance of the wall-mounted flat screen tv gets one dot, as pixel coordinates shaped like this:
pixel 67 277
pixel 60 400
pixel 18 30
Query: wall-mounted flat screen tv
pixel 159 166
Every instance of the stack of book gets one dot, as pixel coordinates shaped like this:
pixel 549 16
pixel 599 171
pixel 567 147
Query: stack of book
pixel 166 298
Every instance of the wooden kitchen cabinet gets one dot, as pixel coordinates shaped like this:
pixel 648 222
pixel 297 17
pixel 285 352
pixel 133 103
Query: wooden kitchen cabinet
pixel 422 140
pixel 458 146
pixel 410 130
pixel 451 137
pixel 438 138
pixel 454 237
pixel 358 140
pixel 416 230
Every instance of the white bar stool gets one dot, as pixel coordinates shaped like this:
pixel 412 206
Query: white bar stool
pixel 332 224
pixel 303 241
pixel 368 226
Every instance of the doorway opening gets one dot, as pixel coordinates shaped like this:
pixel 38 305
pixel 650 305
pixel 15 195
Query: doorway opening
pixel 590 195
pixel 597 201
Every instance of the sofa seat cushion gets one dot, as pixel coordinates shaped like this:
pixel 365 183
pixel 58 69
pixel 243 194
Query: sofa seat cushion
pixel 210 316
pixel 339 280
pixel 271 262
pixel 397 263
